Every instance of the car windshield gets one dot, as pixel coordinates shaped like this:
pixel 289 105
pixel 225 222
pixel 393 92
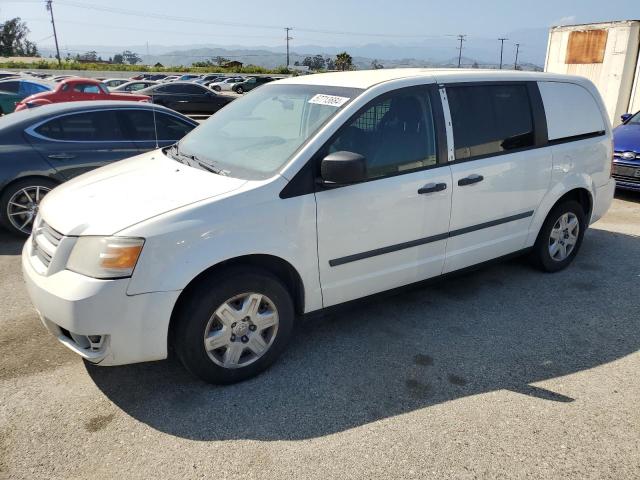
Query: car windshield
pixel 254 136
pixel 635 120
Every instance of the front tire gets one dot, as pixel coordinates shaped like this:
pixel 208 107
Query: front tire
pixel 233 325
pixel 560 237
pixel 240 90
pixel 20 203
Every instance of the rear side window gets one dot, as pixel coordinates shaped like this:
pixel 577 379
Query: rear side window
pixel 571 110
pixel 83 127
pixel 28 88
pixel 86 88
pixel 11 87
pixel 490 119
pixel 143 126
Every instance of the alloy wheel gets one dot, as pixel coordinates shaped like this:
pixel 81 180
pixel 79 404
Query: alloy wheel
pixel 22 207
pixel 564 236
pixel 241 330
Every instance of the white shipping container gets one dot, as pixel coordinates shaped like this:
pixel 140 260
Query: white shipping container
pixel 605 53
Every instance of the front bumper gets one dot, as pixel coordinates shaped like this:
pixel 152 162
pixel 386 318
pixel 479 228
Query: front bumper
pixel 96 318
pixel 626 174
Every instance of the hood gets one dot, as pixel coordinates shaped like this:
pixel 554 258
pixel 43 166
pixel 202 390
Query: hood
pixel 111 198
pixel 627 138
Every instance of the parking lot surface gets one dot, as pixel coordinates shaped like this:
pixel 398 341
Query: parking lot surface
pixel 500 373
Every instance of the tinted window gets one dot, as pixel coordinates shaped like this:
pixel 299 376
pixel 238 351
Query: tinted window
pixel 90 126
pixel 489 119
pixel 193 89
pixel 170 89
pixel 395 133
pixel 142 126
pixel 11 87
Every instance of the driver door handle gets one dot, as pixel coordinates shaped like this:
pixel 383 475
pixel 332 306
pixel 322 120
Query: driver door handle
pixel 61 156
pixel 432 188
pixel 470 180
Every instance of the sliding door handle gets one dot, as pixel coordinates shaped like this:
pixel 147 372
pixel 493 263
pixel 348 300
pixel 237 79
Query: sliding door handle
pixel 470 180
pixel 432 187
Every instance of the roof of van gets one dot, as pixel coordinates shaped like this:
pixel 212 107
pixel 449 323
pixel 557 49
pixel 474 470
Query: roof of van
pixel 367 78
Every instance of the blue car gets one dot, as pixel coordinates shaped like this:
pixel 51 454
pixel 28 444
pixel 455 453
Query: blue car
pixel 626 157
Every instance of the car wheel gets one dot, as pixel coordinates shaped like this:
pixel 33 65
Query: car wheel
pixel 233 325
pixel 217 88
pixel 240 90
pixel 20 203
pixel 560 237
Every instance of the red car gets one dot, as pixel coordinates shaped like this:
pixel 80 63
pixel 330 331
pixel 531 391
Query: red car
pixel 75 90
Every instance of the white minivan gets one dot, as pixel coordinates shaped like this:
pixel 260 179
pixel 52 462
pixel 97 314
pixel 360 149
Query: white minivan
pixel 310 192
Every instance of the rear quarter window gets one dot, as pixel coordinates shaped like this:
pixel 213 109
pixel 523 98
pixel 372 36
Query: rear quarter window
pixel 571 110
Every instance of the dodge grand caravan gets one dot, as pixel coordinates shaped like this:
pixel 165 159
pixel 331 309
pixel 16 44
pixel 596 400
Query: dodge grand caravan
pixel 310 192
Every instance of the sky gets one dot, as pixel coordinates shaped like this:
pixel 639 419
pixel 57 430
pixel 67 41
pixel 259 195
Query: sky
pixel 314 22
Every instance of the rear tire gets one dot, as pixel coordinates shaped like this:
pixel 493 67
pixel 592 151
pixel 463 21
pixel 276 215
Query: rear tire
pixel 243 315
pixel 560 237
pixel 19 204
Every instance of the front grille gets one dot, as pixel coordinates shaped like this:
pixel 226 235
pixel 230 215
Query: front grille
pixel 45 242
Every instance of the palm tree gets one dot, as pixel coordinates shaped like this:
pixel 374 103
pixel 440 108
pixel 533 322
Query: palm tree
pixel 344 61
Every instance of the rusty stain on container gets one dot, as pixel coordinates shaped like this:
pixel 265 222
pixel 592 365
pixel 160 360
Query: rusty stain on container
pixel 587 46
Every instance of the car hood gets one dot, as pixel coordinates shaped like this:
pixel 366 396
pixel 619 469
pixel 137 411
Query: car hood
pixel 111 198
pixel 627 138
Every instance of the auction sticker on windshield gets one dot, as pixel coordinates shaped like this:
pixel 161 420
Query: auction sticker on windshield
pixel 330 100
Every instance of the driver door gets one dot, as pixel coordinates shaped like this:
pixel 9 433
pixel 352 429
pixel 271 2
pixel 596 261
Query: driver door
pixel 390 230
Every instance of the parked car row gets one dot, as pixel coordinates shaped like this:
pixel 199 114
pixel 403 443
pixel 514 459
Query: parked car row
pixel 45 146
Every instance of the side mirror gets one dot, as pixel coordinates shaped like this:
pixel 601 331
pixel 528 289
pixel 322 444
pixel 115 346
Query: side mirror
pixel 625 117
pixel 343 168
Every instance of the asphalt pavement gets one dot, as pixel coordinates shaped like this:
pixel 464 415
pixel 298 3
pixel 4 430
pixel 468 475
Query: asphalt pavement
pixel 505 372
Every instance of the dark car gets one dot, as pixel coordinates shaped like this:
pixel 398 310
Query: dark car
pixel 626 156
pixel 45 146
pixel 186 97
pixel 251 83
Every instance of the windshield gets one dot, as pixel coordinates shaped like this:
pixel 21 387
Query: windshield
pixel 635 120
pixel 254 136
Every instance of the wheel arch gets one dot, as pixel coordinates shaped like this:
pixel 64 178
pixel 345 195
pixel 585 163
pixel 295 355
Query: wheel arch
pixel 279 267
pixel 579 193
pixel 9 184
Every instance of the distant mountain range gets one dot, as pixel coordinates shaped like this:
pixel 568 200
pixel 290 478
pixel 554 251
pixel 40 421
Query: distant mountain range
pixel 436 52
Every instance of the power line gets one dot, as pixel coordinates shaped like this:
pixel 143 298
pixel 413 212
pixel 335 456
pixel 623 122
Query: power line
pixel 461 38
pixel 160 16
pixel 501 49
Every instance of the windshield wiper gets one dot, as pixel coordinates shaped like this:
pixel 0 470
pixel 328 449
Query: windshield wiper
pixel 189 159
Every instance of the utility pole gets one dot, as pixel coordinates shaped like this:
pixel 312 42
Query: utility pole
pixel 55 35
pixel 461 38
pixel 515 64
pixel 501 49
pixel 287 29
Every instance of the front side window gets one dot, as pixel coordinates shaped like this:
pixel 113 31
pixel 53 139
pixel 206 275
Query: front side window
pixel 255 135
pixel 395 133
pixel 82 127
pixel 28 88
pixel 489 119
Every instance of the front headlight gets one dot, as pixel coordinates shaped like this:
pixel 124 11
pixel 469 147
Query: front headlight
pixel 105 257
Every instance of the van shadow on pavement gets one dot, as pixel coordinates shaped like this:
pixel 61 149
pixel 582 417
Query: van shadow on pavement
pixel 503 327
